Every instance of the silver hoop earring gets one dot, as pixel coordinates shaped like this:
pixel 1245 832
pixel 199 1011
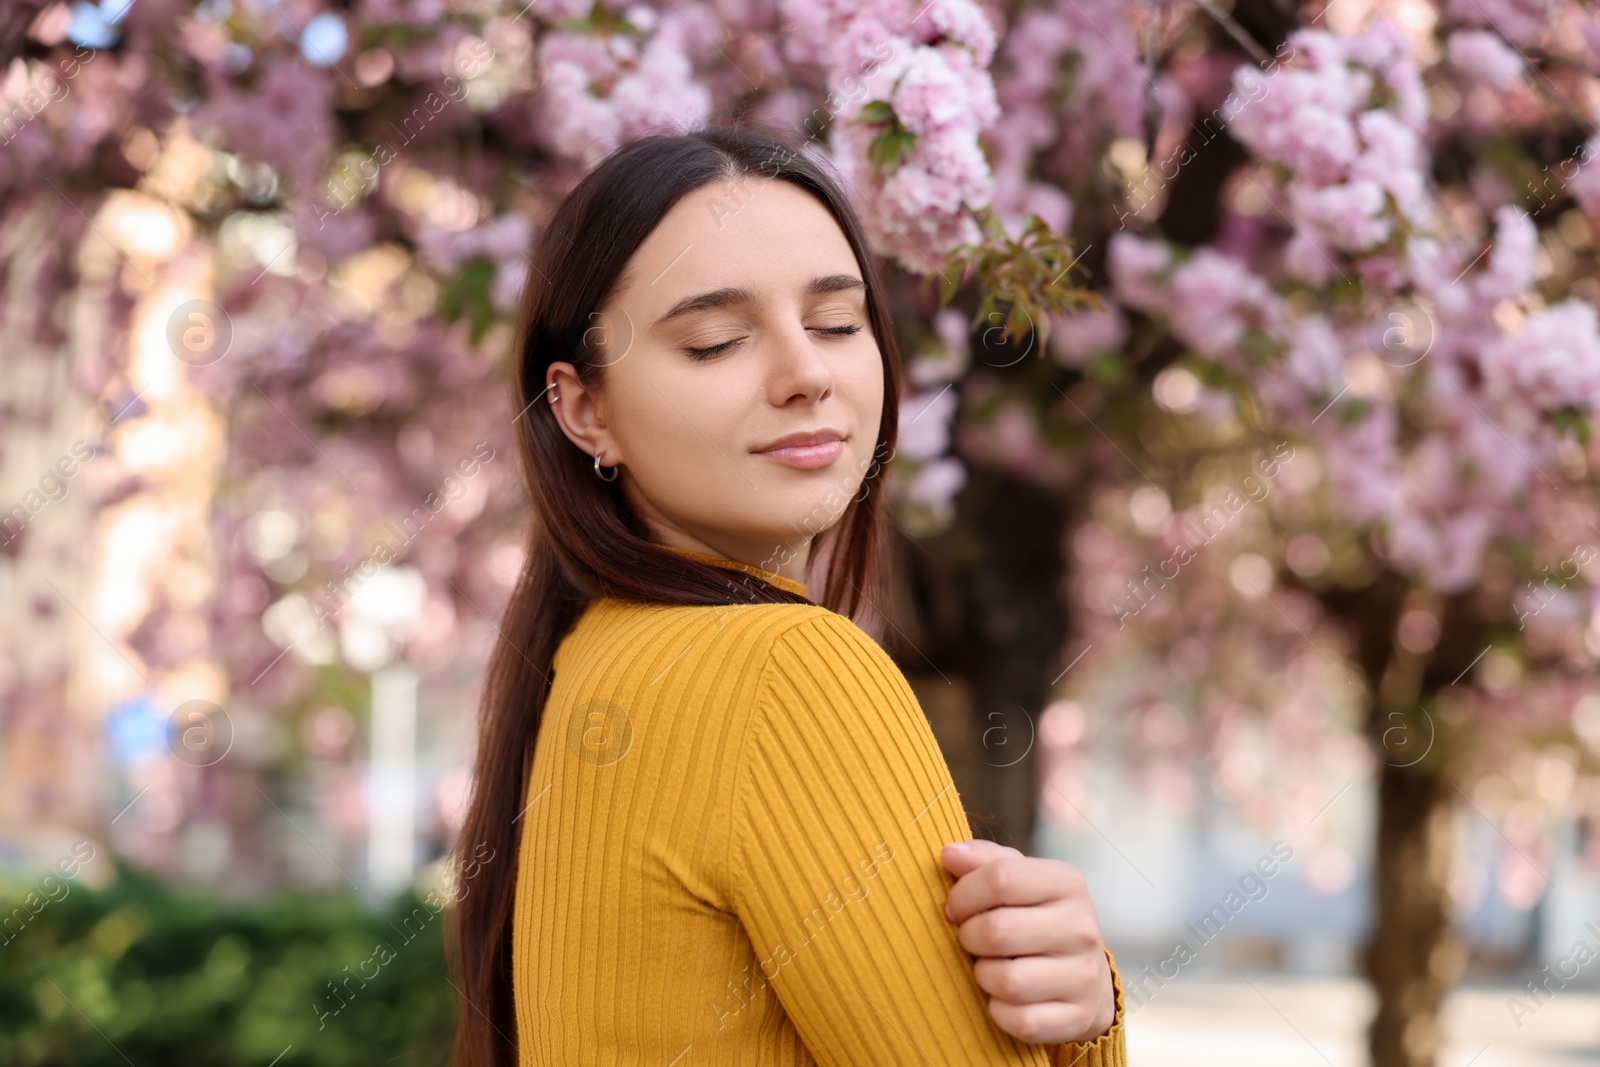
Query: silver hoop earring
pixel 602 477
pixel 554 397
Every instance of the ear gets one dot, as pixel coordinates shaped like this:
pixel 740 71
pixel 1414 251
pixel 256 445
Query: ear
pixel 579 411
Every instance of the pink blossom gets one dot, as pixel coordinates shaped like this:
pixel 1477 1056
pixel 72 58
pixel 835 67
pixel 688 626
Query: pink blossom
pixel 286 123
pixel 1404 80
pixel 1292 126
pixel 941 94
pixel 1347 215
pixel 1393 158
pixel 1435 268
pixel 652 86
pixel 931 95
pixel 1446 551
pixel 1582 176
pixel 1496 474
pixel 1363 460
pixel 1312 371
pixel 1308 258
pixel 1522 21
pixel 504 238
pixel 661 93
pixel 1553 363
pixel 574 122
pixel 1015 205
pixel 1137 267
pixel 921 187
pixel 594 56
pixel 1481 55
pixel 1383 271
pixel 1214 298
pixel 916 212
pixel 816 26
pixel 925 424
pixel 982 103
pixel 1511 261
pixel 960 21
pixel 954 331
pixel 1077 335
pixel 936 484
pixel 424 12
pixel 1109 82
pixel 1357 162
pixel 867 45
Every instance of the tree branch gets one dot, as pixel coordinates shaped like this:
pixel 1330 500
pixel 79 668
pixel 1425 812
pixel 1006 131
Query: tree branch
pixel 1236 31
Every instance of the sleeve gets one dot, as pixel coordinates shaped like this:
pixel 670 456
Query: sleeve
pixel 843 803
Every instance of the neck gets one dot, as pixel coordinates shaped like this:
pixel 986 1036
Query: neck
pixel 788 560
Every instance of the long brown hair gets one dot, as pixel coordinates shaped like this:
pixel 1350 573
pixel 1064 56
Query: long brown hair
pixel 586 541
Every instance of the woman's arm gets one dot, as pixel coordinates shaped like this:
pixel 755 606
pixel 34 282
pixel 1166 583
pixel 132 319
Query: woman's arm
pixel 843 805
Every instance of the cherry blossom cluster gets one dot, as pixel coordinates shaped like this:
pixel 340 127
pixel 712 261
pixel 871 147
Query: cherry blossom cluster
pixel 1481 419
pixel 603 89
pixel 916 93
pixel 1344 117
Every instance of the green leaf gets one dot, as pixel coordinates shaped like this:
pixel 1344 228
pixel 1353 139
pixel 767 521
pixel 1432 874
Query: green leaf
pixel 889 147
pixel 1107 367
pixel 1018 323
pixel 1355 412
pixel 950 279
pixel 469 295
pixel 877 111
pixel 1572 420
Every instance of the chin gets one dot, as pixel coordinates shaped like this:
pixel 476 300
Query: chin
pixel 815 515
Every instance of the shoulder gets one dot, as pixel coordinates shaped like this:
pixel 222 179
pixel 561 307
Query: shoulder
pixel 827 644
pixel 823 669
pixel 785 646
pixel 737 641
pixel 838 732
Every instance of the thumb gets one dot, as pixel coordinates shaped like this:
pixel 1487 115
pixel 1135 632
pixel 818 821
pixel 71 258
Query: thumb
pixel 961 857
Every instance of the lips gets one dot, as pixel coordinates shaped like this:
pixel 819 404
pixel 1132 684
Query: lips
pixel 806 450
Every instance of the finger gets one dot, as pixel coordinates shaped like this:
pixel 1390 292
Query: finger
pixel 959 857
pixel 1031 979
pixel 1062 928
pixel 1044 1023
pixel 1013 881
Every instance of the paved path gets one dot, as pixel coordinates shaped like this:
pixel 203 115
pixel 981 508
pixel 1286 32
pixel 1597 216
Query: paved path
pixel 1273 1020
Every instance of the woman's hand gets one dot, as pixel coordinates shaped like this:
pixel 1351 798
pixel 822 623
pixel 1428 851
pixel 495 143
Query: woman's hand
pixel 1033 928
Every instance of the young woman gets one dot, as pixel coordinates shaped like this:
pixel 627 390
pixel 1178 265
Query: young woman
pixel 716 819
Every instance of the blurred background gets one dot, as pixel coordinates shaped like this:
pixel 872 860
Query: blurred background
pixel 1246 525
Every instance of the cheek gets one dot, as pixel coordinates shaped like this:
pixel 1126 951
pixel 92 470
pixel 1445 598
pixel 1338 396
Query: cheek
pixel 678 431
pixel 869 414
pixel 859 382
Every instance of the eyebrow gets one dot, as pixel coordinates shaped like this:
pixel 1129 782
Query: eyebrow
pixel 733 294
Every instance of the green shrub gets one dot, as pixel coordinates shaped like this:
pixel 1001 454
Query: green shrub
pixel 140 973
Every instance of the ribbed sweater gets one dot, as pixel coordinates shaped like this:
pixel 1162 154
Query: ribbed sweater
pixel 730 854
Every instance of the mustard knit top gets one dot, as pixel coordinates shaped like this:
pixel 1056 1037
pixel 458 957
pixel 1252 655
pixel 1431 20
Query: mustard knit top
pixel 730 854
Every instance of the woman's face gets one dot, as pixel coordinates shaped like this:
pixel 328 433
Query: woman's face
pixel 740 321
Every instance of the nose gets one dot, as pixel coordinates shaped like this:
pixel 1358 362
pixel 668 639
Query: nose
pixel 797 367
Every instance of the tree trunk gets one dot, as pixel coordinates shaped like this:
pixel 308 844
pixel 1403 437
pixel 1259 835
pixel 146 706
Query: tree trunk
pixel 978 625
pixel 1413 955
pixel 1408 957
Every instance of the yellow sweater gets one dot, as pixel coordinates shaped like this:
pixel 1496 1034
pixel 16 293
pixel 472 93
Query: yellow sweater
pixel 730 854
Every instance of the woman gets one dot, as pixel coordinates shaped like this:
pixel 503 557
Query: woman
pixel 720 814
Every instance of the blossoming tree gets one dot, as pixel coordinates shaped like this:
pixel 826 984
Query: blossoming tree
pixel 1433 333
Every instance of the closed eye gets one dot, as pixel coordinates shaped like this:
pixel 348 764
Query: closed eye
pixel 707 353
